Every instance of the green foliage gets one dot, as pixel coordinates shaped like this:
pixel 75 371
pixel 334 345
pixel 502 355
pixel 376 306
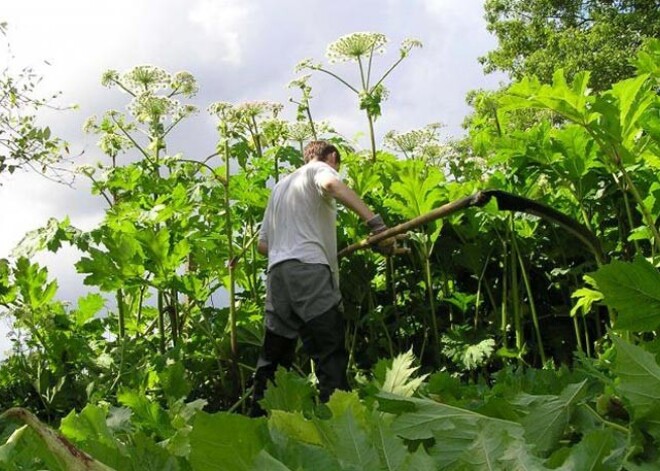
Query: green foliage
pixel 540 36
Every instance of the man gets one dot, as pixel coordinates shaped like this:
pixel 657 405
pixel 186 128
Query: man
pixel 298 234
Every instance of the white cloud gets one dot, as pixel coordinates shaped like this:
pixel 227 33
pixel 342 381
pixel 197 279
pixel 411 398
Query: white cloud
pixel 222 21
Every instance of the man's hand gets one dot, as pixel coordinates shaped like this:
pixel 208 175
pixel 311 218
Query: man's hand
pixel 387 246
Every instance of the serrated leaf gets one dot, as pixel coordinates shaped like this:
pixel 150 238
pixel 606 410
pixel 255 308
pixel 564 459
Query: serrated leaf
pixel 391 449
pixel 592 452
pixel 546 423
pixel 88 306
pixel 639 378
pixel 633 289
pixel 342 401
pixel 265 461
pixel 398 379
pixel 488 446
pixel 90 424
pixel 419 419
pixel 149 414
pixel 295 426
pixel 174 382
pixel 226 442
pixel 299 456
pixel 290 392
pixel 519 457
pixel 350 443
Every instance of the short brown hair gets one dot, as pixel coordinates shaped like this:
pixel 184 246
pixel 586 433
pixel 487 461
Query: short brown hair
pixel 320 150
pixel 315 150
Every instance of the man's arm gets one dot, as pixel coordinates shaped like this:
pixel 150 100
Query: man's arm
pixel 262 248
pixel 339 191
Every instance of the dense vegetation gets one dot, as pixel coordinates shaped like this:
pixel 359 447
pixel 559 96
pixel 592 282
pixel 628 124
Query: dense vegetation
pixel 501 341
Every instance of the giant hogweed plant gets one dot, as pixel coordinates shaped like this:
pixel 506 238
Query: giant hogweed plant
pixel 619 123
pixel 361 48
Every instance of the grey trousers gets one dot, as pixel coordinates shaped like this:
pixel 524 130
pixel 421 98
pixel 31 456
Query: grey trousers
pixel 302 302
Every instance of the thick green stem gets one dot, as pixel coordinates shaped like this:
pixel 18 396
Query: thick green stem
pixel 174 316
pixel 515 293
pixel 505 296
pixel 391 282
pixel 642 206
pixel 257 137
pixel 121 309
pixel 311 121
pixel 578 334
pixel 631 223
pixel 230 255
pixel 372 137
pixel 434 322
pixel 161 323
pixel 606 422
pixel 532 305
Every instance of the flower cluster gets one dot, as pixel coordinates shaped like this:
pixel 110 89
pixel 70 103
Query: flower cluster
pixel 407 45
pixel 416 142
pixel 150 108
pixel 222 109
pixel 149 79
pixel 301 83
pixel 184 83
pixel 355 45
pixel 145 78
pixel 275 130
pixel 300 131
pixel 306 64
pixel 251 109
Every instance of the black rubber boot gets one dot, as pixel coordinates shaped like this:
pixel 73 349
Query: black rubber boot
pixel 276 351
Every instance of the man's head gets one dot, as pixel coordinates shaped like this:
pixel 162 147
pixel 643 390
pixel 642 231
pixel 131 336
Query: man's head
pixel 322 151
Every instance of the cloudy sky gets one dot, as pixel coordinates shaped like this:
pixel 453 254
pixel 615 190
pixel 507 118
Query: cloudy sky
pixel 238 50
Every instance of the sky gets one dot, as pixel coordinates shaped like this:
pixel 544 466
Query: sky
pixel 238 50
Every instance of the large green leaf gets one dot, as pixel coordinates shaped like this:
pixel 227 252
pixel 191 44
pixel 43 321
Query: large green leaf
pixel 568 101
pixel 518 457
pixel 297 455
pixel 421 418
pixel 487 448
pixel 290 392
pixel 226 442
pixel 639 378
pixel 391 449
pixel 350 443
pixel 633 289
pixel 149 415
pixel 546 423
pixel 295 426
pixel 265 461
pixel 592 453
pixel 634 96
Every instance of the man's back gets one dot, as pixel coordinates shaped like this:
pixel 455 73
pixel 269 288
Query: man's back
pixel 300 221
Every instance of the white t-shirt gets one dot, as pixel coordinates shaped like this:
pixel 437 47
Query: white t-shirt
pixel 300 220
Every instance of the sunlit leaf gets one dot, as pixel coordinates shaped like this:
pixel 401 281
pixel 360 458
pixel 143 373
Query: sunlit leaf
pixel 633 289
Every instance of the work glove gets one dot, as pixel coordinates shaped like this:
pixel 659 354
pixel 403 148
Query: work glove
pixel 376 225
